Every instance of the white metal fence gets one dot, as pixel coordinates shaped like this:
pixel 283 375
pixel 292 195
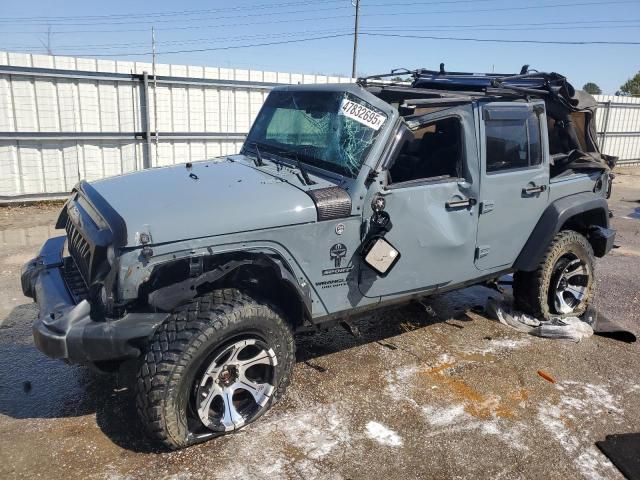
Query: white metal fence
pixel 63 119
pixel 618 125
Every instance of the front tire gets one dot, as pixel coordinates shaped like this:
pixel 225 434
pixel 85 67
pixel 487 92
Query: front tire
pixel 216 365
pixel 563 282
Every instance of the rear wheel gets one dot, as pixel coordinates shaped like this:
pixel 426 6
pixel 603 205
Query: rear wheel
pixel 563 282
pixel 216 365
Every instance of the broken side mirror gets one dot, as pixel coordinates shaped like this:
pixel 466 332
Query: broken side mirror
pixel 380 255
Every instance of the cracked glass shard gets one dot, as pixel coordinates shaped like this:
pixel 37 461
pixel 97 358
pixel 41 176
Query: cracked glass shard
pixel 331 130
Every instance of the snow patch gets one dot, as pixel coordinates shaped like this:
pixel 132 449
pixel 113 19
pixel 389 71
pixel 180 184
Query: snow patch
pixel 307 469
pixel 500 345
pixel 443 417
pixel 454 419
pixel 383 435
pixel 510 344
pixel 444 358
pixel 633 388
pixel 577 402
pixel 253 470
pixel 399 384
pixel 313 434
pixel 490 428
pixel 588 397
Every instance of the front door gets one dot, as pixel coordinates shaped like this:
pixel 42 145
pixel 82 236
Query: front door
pixel 514 180
pixel 431 198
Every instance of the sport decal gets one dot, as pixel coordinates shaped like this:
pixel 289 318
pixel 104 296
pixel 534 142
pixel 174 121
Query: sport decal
pixel 337 253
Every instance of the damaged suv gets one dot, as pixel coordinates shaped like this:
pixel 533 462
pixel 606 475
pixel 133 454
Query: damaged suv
pixel 344 198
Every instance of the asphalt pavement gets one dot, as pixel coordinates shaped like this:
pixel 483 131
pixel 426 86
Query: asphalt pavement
pixel 425 392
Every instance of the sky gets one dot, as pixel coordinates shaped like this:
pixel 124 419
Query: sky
pixel 321 34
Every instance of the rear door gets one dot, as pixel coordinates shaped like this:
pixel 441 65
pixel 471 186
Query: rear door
pixel 514 185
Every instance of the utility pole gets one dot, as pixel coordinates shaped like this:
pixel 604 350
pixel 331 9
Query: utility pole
pixel 49 51
pixel 355 3
pixel 47 46
pixel 155 90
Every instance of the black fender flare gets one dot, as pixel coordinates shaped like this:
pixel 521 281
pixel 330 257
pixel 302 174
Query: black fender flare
pixel 168 297
pixel 553 219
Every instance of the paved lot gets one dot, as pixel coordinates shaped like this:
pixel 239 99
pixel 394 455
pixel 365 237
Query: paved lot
pixel 424 393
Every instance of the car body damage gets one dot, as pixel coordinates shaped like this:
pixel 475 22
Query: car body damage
pixel 343 198
pixel 314 227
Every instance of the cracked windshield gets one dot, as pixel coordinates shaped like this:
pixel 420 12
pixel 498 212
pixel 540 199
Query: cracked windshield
pixel 331 130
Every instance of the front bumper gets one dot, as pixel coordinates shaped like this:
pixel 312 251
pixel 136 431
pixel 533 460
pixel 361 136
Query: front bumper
pixel 65 329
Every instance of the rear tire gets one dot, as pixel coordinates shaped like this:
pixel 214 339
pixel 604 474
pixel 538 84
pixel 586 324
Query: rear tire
pixel 216 365
pixel 563 282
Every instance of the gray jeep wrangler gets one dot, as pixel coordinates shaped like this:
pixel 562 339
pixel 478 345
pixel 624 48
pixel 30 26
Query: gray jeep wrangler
pixel 344 198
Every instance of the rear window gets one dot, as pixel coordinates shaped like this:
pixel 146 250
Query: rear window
pixel 513 144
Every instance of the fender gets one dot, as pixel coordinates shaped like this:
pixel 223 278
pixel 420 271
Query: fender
pixel 168 297
pixel 554 218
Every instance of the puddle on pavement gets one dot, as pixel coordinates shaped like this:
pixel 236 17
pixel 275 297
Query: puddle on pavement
pixel 35 386
pixel 32 385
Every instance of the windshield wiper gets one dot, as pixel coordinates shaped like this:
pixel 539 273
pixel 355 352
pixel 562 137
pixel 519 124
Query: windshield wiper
pixel 287 154
pixel 258 160
pixel 305 176
pixel 304 173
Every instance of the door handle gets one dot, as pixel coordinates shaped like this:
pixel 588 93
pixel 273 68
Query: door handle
pixel 461 203
pixel 534 189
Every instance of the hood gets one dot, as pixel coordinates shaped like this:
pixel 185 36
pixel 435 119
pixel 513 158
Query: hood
pixel 210 198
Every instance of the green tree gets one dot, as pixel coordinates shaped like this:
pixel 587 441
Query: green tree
pixel 632 86
pixel 592 88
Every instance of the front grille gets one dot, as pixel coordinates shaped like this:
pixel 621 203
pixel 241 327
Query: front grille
pixel 79 249
pixel 74 281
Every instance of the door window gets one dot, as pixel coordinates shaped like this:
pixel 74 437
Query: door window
pixel 435 152
pixel 512 144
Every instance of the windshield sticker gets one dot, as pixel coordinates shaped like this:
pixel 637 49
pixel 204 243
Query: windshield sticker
pixel 362 114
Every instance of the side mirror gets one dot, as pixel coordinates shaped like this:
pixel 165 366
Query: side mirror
pixel 380 255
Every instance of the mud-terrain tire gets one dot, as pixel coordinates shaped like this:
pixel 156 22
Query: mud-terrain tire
pixel 545 293
pixel 184 363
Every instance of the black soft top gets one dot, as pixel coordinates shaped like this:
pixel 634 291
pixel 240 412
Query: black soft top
pixel 570 112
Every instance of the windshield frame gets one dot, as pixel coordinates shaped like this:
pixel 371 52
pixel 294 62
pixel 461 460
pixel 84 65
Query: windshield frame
pixel 291 156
